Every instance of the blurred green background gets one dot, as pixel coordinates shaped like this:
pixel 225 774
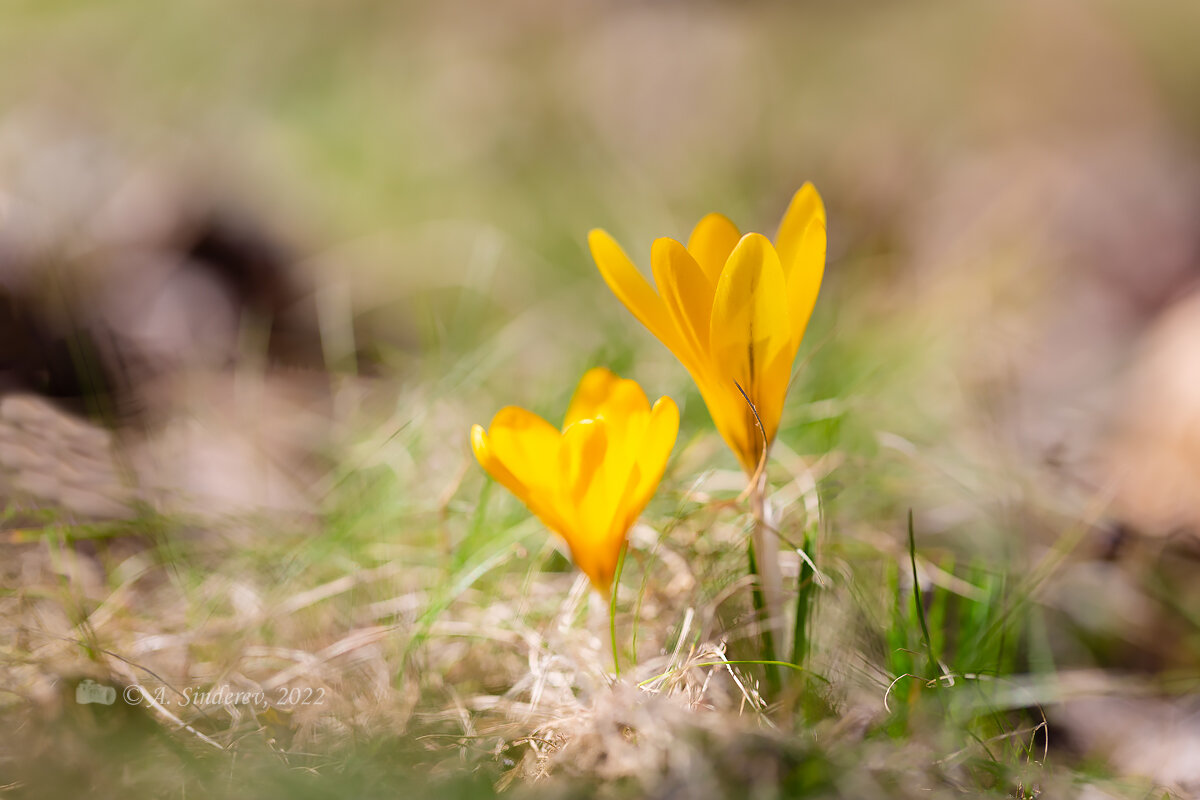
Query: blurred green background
pixel 1001 345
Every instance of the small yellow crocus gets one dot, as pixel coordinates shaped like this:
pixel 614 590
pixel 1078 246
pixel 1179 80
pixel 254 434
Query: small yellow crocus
pixel 590 482
pixel 732 309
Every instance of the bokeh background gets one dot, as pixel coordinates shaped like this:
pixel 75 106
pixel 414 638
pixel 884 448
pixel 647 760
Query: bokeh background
pixel 262 266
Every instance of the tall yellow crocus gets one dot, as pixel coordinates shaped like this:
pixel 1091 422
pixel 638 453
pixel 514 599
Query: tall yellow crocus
pixel 589 482
pixel 732 309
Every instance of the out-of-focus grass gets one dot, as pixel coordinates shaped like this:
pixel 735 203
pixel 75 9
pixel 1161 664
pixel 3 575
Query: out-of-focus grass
pixel 444 164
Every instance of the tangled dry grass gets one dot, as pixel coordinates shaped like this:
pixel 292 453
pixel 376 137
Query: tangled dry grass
pixel 474 660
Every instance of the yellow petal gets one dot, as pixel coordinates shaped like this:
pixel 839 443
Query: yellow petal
pixel 731 416
pixel 541 502
pixel 749 331
pixel 804 282
pixel 594 388
pixel 688 295
pixel 749 317
pixel 527 446
pixel 711 242
pixel 626 404
pixel 602 394
pixel 805 207
pixel 580 458
pixel 770 394
pixel 655 446
pixel 628 413
pixel 801 246
pixel 599 564
pixel 492 465
pixel 631 288
pixel 587 500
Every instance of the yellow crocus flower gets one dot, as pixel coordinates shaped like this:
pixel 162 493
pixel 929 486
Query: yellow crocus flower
pixel 732 309
pixel 591 481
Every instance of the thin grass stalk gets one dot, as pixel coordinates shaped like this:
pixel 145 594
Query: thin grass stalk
pixel 612 610
pixel 917 599
pixel 805 590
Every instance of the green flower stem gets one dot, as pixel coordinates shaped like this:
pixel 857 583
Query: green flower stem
pixel 764 565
